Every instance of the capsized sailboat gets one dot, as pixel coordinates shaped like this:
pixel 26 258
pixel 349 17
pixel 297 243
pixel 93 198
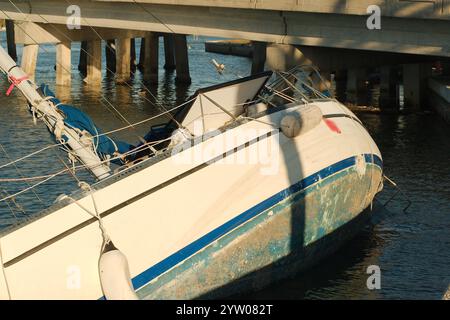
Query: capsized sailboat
pixel 248 183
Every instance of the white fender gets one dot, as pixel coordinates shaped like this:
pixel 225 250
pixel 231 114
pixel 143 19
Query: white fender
pixel 301 121
pixel 115 275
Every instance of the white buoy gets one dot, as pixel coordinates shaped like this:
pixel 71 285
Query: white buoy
pixel 290 126
pixel 115 275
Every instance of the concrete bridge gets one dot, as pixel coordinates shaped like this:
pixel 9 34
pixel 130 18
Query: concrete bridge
pixel 332 34
pixel 407 26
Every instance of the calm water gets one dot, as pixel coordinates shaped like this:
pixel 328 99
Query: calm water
pixel 411 249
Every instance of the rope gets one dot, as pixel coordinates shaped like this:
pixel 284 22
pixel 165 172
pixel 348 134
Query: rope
pixel 105 235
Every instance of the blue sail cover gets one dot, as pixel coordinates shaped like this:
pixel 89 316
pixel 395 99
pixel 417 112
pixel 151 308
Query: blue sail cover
pixel 76 118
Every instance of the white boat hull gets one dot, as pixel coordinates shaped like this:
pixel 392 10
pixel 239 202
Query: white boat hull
pixel 191 227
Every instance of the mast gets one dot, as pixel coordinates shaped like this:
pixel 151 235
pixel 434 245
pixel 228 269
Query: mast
pixel 52 118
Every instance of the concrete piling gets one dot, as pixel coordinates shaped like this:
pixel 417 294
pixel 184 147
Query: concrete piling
pixel 110 55
pixel 388 87
pixel 63 64
pixel 169 52
pixel 29 59
pixel 133 63
pixel 415 85
pixel 141 55
pixel 151 59
pixel 123 48
pixel 181 59
pixel 259 56
pixel 10 38
pixel 356 86
pixel 82 64
pixel 94 62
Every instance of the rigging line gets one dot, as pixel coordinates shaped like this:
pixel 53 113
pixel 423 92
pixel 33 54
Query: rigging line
pixel 69 71
pixel 8 204
pixel 83 166
pixel 27 189
pixel 41 47
pixel 19 172
pixel 99 135
pixel 158 103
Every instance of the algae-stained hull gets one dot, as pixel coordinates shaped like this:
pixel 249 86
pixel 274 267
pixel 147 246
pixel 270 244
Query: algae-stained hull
pixel 289 232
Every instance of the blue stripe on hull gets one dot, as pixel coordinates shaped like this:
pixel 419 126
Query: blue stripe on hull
pixel 174 259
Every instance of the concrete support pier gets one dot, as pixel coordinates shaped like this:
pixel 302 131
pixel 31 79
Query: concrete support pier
pixel 110 55
pixel 82 64
pixel 169 52
pixel 415 85
pixel 29 59
pixel 63 64
pixel 182 59
pixel 259 56
pixel 357 87
pixel 388 87
pixel 123 69
pixel 133 63
pixel 282 57
pixel 94 63
pixel 10 39
pixel 151 60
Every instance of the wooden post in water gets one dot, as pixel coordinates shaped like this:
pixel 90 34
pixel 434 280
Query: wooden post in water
pixel 94 63
pixel 63 64
pixel 10 38
pixel 169 52
pixel 82 64
pixel 123 47
pixel 29 59
pixel 181 59
pixel 151 61
pixel 110 55
pixel 259 56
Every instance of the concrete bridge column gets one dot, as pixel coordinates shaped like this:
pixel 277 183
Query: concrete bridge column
pixel 151 60
pixel 83 58
pixel 356 86
pixel 388 87
pixel 63 64
pixel 94 62
pixel 340 80
pixel 123 48
pixel 259 56
pixel 415 85
pixel 282 57
pixel 141 55
pixel 132 55
pixel 10 38
pixel 181 59
pixel 110 55
pixel 169 52
pixel 29 59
